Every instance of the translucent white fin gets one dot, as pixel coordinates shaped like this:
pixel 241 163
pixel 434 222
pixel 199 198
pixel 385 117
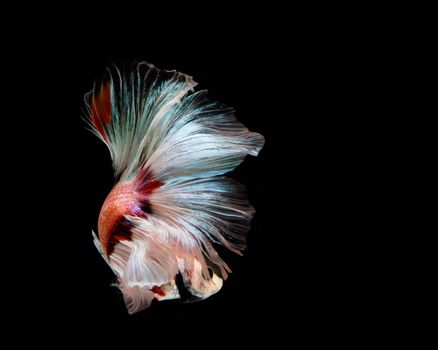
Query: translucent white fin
pixel 195 281
pixel 202 139
pixel 209 210
pixel 99 249
pixel 169 291
pixel 136 298
pixel 127 111
pixel 149 119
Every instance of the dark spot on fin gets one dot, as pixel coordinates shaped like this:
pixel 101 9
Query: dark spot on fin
pixel 183 292
pixel 145 206
pixel 146 184
pixel 122 232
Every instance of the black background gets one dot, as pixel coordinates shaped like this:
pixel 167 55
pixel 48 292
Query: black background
pixel 245 297
pixel 309 81
pixel 72 177
pixel 288 280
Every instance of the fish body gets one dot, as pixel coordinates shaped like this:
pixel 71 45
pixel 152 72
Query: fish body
pixel 170 147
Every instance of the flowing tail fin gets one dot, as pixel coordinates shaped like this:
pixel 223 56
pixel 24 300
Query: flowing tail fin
pixel 172 145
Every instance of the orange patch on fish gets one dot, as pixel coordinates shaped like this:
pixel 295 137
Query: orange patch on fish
pixel 121 201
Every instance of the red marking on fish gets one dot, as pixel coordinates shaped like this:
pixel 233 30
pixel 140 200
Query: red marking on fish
pixel 158 290
pixel 147 183
pixel 101 109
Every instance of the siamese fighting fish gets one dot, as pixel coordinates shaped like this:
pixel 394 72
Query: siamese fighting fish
pixel 170 148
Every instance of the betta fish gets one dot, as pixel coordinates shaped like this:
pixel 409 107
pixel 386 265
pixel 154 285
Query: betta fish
pixel 170 147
